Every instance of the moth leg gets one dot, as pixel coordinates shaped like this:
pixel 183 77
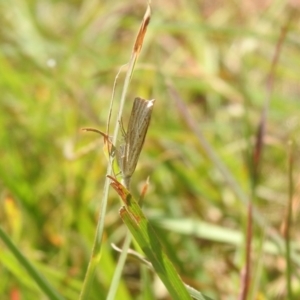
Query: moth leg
pixel 124 134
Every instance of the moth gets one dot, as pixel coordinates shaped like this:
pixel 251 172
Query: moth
pixel 134 138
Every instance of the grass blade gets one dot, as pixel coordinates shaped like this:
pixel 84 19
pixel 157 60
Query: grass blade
pixel 146 237
pixel 40 280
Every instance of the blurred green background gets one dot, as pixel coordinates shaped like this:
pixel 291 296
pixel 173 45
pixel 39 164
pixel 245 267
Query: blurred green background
pixel 58 63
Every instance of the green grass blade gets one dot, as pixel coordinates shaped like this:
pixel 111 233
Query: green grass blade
pixel 146 237
pixel 118 272
pixel 40 280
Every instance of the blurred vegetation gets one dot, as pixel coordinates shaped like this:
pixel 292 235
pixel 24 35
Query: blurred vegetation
pixel 58 62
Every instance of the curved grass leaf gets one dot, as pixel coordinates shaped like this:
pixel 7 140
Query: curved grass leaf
pixel 147 239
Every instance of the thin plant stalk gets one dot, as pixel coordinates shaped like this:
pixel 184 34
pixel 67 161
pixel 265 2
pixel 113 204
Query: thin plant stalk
pixel 257 153
pixel 246 272
pixel 96 252
pixel 288 225
pixel 135 52
pixel 118 271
